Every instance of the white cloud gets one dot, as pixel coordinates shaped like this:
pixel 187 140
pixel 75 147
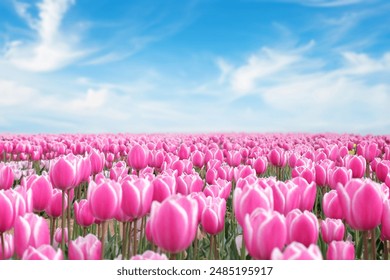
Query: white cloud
pixel 257 67
pixel 297 92
pixel 12 93
pixel 50 49
pixel 361 63
pixel 325 3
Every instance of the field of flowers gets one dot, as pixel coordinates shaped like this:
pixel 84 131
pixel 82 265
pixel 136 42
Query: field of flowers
pixel 196 197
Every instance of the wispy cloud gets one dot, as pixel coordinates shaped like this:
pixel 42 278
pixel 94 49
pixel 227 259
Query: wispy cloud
pixel 49 49
pixel 326 3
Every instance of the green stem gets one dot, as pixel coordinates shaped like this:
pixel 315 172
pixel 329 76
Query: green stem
pixel 69 217
pixel 51 230
pixel 385 250
pixel 2 245
pixel 63 222
pixel 211 247
pixel 135 237
pixel 104 228
pixel 365 245
pixel 124 240
pixel 195 257
pixel 373 244
pixel 216 256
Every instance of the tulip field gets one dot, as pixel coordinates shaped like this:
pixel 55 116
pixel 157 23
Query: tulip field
pixel 232 196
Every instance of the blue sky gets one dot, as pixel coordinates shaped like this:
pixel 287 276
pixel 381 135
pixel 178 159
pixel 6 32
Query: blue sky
pixel 195 66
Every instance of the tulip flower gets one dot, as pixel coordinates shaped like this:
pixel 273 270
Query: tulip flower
pixel 164 185
pixel 136 197
pixel 104 199
pixel 297 251
pixel 332 230
pixel 362 203
pixel 6 177
pixel 6 249
pixel 331 205
pixel 246 200
pixel 302 227
pixel 138 157
pixel 264 230
pixel 83 214
pixel 41 192
pixel 30 230
pixel 7 216
pixel 150 255
pixel 357 164
pixel 85 248
pixel 340 250
pixel 43 252
pixel 213 215
pixel 176 233
pixel 188 183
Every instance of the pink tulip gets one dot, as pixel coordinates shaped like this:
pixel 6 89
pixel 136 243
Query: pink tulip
pixel 304 172
pixel 264 230
pixel 307 191
pixel 221 188
pixel 85 248
pixel 156 158
pixel 83 214
pixel 246 200
pixel 7 216
pixel 183 152
pixel 30 230
pixel 357 164
pixel 43 252
pixel 332 230
pixel 150 255
pixel 198 159
pixel 331 205
pixel 211 175
pixel 41 192
pixel 164 185
pixel 382 170
pixel 260 165
pixel 54 207
pixel 233 158
pixel 385 229
pixel 225 172
pixel 176 233
pixel 277 157
pixel 189 183
pixel 213 215
pixel 104 199
pixel 63 173
pixel 369 150
pixel 302 227
pixel 201 201
pixel 341 250
pixel 243 171
pixel 97 160
pixel 138 157
pixel 136 197
pixel 213 153
pixel 8 247
pixel 339 175
pixel 6 177
pixel 286 196
pixel 362 203
pixel 118 171
pixel 321 171
pixel 297 251
pixel 58 235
